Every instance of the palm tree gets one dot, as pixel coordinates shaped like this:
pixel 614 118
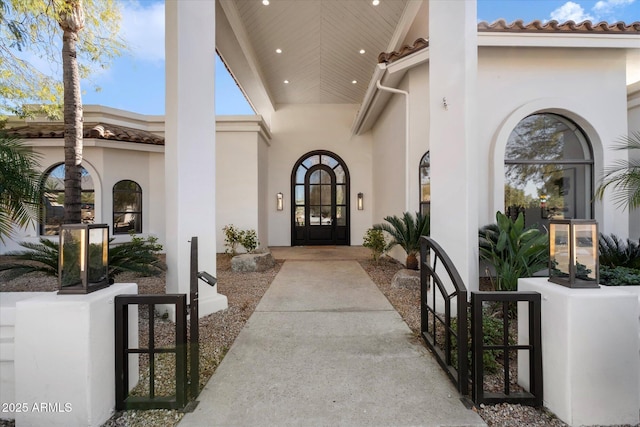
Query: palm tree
pixel 406 232
pixel 624 176
pixel 71 20
pixel 20 195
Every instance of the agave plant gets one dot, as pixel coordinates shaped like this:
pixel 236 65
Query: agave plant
pixel 137 256
pixel 513 250
pixel 406 232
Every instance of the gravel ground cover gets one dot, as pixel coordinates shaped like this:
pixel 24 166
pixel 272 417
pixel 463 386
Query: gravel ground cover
pixel 219 330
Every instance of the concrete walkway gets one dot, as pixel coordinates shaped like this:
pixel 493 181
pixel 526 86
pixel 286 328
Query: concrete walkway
pixel 323 348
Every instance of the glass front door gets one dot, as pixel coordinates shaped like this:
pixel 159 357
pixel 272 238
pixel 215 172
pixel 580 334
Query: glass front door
pixel 320 201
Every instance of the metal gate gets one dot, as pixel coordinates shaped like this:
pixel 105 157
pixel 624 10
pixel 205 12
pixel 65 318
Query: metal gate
pixel 151 401
pixel 187 370
pixel 444 311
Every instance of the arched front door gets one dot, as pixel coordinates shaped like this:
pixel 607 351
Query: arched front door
pixel 320 200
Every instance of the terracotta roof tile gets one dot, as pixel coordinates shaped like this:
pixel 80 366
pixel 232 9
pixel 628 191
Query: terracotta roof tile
pixel 501 26
pixel 91 130
pixel 555 27
pixel 406 50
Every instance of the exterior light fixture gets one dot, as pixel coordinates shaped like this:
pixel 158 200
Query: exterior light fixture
pixel 573 253
pixel 353 82
pixel 375 2
pixel 278 50
pixel 362 51
pixel 279 202
pixel 83 262
pixel 265 2
pixel 286 82
pixel 360 201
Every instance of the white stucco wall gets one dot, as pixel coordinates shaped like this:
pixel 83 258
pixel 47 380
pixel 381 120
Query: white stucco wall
pixel 299 129
pixel 633 104
pixel 389 160
pixel 584 85
pixel 418 79
pixel 241 175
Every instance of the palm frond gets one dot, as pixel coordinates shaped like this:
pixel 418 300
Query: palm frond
pixel 623 176
pixel 20 193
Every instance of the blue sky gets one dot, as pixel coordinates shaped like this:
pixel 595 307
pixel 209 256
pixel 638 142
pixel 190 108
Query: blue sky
pixel 135 82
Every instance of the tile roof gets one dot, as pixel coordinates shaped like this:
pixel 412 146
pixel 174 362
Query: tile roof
pixel 501 26
pixel 91 130
pixel 406 50
pixel 555 27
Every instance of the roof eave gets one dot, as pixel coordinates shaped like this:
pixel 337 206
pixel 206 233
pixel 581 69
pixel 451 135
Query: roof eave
pixel 559 39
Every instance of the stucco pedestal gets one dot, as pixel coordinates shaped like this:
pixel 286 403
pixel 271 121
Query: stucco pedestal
pixel 590 347
pixel 65 357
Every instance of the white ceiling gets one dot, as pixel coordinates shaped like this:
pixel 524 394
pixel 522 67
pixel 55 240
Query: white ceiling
pixel 320 42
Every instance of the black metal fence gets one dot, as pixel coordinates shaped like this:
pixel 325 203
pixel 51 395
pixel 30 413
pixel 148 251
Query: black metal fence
pixel 445 334
pixel 444 327
pixel 507 350
pixel 152 400
pixel 187 371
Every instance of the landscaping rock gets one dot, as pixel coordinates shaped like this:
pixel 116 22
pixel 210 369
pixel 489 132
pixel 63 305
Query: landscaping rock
pixel 258 261
pixel 408 279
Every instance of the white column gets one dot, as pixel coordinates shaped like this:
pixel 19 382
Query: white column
pixel 190 145
pixel 453 63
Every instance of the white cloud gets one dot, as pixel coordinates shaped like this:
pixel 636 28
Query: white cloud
pixel 607 9
pixel 571 11
pixel 143 29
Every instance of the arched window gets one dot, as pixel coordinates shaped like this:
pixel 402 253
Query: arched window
pixel 425 184
pixel 127 207
pixel 53 203
pixel 548 170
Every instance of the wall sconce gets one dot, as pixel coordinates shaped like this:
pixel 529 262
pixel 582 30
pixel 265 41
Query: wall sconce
pixel 573 253
pixel 279 201
pixel 360 201
pixel 83 262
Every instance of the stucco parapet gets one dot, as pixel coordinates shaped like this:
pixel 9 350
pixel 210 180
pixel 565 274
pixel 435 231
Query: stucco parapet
pixel 243 124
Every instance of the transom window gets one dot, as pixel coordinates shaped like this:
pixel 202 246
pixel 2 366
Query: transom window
pixel 326 171
pixel 53 202
pixel 425 184
pixel 127 207
pixel 548 170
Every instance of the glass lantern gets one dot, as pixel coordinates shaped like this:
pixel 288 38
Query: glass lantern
pixel 84 258
pixel 573 253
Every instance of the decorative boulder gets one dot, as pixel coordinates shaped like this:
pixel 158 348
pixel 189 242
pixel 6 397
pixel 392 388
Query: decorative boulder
pixel 258 261
pixel 408 279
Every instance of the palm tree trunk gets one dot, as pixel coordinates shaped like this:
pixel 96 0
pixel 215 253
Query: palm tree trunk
pixel 72 21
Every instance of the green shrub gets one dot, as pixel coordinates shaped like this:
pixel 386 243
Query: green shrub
pixel 513 250
pixel 619 276
pixel 138 256
pixel 492 329
pixel 614 252
pixel 233 237
pixel 250 240
pixel 374 240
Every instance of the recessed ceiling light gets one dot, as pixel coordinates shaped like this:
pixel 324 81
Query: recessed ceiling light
pixel 362 51
pixel 265 2
pixel 354 82
pixel 286 82
pixel 278 50
pixel 375 2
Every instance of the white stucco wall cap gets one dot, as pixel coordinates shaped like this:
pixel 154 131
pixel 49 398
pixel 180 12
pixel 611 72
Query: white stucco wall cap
pixel 243 124
pixel 578 40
